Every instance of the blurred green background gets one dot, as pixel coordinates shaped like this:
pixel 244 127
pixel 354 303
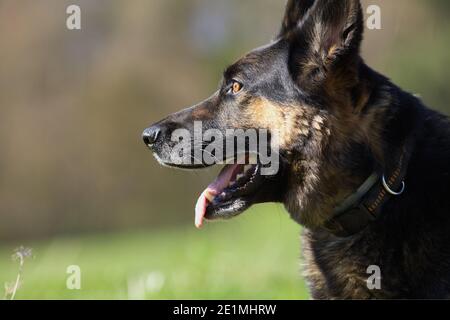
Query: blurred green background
pixel 79 187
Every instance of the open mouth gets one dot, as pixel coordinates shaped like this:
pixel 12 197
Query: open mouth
pixel 237 187
pixel 229 194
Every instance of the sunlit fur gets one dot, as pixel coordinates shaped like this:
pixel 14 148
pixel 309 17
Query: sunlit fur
pixel 334 119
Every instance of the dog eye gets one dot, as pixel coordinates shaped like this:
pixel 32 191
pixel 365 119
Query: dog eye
pixel 235 88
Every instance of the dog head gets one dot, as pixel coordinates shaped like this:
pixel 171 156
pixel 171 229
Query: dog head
pixel 302 96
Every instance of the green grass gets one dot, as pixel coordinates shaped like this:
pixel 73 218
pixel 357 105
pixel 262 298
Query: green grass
pixel 255 256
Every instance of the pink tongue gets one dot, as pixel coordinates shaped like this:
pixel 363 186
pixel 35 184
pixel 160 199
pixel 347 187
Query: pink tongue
pixel 213 190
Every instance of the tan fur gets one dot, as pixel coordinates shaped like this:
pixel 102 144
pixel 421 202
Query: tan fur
pixel 286 122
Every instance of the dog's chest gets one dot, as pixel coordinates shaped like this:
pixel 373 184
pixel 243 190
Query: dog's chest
pixel 333 270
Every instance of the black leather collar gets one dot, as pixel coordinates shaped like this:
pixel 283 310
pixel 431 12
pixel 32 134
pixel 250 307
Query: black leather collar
pixel 366 204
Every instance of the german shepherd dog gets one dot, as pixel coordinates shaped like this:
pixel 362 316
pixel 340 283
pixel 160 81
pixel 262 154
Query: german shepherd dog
pixel 364 165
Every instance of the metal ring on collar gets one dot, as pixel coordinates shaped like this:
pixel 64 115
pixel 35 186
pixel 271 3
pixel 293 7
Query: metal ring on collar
pixel 388 189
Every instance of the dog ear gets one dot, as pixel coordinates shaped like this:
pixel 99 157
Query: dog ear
pixel 330 36
pixel 295 12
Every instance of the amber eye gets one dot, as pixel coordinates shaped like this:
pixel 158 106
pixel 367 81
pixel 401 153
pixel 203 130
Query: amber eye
pixel 236 87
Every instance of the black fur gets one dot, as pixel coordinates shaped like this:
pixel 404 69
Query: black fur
pixel 348 119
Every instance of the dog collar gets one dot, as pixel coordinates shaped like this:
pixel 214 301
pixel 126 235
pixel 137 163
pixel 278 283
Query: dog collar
pixel 366 204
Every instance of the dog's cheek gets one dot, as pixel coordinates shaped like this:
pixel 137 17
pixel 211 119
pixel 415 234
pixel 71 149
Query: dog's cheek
pixel 292 126
pixel 263 114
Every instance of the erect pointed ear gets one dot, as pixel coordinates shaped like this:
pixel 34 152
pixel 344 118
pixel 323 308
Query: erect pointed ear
pixel 295 12
pixel 329 37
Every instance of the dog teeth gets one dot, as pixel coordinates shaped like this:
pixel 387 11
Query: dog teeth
pixel 239 176
pixel 210 197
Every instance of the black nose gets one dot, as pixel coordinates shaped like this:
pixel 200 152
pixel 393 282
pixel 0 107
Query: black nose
pixel 151 135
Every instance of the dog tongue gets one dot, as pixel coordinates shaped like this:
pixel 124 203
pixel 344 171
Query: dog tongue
pixel 213 190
